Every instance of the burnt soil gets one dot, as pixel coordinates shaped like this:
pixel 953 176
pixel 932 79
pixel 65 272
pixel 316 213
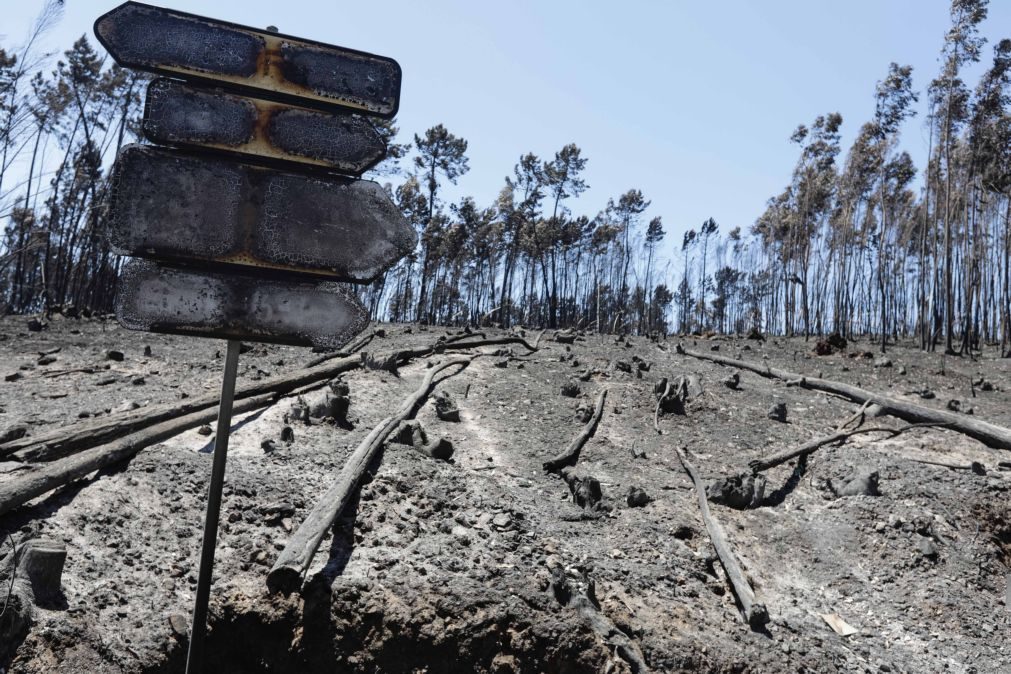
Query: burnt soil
pixel 447 567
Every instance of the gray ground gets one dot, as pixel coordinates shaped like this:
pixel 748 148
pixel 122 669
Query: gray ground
pixel 447 567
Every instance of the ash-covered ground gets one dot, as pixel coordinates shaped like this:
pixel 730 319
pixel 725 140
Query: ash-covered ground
pixel 454 566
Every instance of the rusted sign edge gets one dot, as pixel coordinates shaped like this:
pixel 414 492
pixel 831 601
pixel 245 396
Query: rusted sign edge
pixel 259 148
pixel 307 99
pixel 229 300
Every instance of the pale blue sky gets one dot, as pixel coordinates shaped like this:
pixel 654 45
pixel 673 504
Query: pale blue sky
pixel 692 103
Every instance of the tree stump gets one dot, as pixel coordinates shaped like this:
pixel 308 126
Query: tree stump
pixel 41 564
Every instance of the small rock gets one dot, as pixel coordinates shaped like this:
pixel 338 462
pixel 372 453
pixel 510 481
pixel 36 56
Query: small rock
pixel 137 381
pixel 502 521
pixel 35 325
pixel 954 405
pixel 623 366
pixel 268 445
pixel 14 432
pixel 863 483
pixel 112 354
pixel 205 430
pixel 883 362
pixel 583 413
pixel 927 547
pixel 778 412
pixel 503 363
pixel 738 491
pixel 902 370
pixel 637 498
pixel 445 408
pixel 147 349
pixel 287 435
pixel 179 625
pixel 13 376
pixel 732 381
pixel 570 389
pixel 47 360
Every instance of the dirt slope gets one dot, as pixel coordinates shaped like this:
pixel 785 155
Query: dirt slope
pixel 460 566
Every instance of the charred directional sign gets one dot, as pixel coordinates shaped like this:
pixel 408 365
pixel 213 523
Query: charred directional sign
pixel 237 306
pixel 172 206
pixel 261 63
pixel 242 229
pixel 253 204
pixel 195 117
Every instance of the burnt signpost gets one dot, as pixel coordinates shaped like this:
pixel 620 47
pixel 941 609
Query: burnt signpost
pixel 244 219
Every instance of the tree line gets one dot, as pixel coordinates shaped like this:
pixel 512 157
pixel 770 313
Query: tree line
pixel 857 243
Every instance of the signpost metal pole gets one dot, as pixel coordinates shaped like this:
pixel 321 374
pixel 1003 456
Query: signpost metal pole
pixel 194 658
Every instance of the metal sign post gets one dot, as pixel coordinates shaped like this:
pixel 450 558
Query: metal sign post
pixel 195 656
pixel 244 220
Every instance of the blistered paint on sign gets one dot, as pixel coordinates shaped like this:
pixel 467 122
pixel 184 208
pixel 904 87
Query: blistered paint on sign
pixel 161 298
pixel 187 116
pixel 169 205
pixel 277 66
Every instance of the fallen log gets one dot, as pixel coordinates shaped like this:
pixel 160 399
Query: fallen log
pixel 293 562
pixel 755 613
pixel 989 434
pixel 571 453
pixel 68 439
pixel 812 446
pixel 49 476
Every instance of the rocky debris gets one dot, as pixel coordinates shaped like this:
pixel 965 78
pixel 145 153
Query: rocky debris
pixel 585 488
pixel 637 497
pixel 883 362
pixel 927 547
pixel 570 389
pixel 13 432
pixel 14 376
pixel 115 355
pixel 583 413
pixel 36 325
pixel 778 412
pixel 830 345
pixel 147 350
pixel 954 405
pixel 389 578
pixel 205 430
pixel 413 434
pixel 287 435
pixel 299 411
pixel 138 381
pixel 862 482
pixel 983 384
pixel 268 445
pixel 623 366
pixel 738 491
pixel 179 625
pixel 565 337
pixel 501 363
pixel 733 381
pixel 46 360
pixel 445 407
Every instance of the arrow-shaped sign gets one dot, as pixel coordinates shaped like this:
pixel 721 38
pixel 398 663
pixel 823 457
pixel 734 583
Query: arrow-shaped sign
pixel 187 116
pixel 270 65
pixel 161 298
pixel 168 205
